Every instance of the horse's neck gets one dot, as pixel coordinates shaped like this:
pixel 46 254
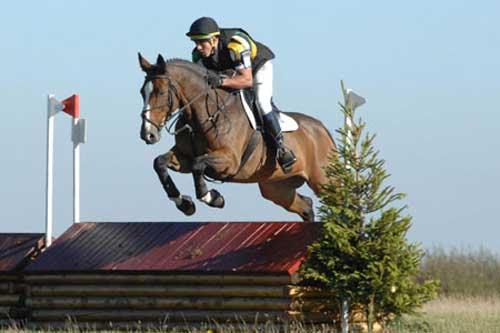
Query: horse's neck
pixel 188 78
pixel 195 90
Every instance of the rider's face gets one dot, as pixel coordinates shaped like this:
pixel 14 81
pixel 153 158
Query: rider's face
pixel 206 47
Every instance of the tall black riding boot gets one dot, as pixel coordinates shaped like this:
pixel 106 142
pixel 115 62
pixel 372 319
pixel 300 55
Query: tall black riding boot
pixel 286 158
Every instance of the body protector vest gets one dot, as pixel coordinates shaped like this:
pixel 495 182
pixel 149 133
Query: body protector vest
pixel 234 40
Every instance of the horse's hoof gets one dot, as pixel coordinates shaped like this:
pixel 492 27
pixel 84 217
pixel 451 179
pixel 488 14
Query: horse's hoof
pixel 308 214
pixel 217 199
pixel 187 205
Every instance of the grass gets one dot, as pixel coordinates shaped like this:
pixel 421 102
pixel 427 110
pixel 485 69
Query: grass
pixel 454 314
pixel 213 328
pixel 470 293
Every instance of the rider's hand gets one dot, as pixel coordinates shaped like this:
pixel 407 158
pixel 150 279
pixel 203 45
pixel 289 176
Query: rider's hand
pixel 214 80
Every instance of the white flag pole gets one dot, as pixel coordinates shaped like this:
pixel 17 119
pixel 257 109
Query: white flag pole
pixel 76 175
pixel 51 110
pixel 78 136
pixel 351 101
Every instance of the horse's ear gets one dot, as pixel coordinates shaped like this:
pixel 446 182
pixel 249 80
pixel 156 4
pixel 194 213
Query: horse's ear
pixel 145 65
pixel 160 62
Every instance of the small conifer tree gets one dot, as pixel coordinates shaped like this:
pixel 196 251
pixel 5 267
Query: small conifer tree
pixel 363 255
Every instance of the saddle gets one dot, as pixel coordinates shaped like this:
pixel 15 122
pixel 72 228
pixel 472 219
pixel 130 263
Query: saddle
pixel 287 123
pixel 248 100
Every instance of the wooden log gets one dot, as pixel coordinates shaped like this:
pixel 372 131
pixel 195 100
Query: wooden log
pixel 309 292
pixel 314 305
pixel 4 311
pixel 212 303
pixel 9 277
pixel 328 317
pixel 166 303
pixel 183 279
pixel 6 287
pixel 162 316
pixel 177 290
pixel 113 326
pixel 9 299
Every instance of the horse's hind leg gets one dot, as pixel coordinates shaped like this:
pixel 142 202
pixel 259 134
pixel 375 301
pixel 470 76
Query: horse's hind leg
pixel 174 161
pixel 284 194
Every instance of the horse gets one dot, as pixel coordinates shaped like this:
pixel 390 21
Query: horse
pixel 212 139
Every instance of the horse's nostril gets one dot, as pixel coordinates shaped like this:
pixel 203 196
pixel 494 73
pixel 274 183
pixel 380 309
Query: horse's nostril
pixel 151 137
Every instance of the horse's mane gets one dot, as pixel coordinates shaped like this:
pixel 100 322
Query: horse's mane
pixel 195 68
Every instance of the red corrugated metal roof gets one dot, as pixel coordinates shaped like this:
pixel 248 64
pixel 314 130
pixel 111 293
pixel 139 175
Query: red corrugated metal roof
pixel 17 248
pixel 236 247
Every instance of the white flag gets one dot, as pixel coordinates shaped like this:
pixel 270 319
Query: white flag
pixel 354 100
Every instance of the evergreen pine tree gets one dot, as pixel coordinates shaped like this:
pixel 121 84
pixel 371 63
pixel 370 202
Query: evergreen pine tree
pixel 363 255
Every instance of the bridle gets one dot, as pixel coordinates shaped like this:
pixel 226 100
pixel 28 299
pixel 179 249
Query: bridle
pixel 172 91
pixel 177 113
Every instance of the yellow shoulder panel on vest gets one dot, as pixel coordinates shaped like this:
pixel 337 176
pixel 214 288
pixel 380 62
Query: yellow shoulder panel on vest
pixel 248 44
pixel 237 49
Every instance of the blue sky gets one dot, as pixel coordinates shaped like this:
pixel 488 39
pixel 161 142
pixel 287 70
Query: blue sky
pixel 430 71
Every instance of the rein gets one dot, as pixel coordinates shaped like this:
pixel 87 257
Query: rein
pixel 177 113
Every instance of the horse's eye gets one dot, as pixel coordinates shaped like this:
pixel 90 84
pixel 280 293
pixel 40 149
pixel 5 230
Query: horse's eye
pixel 161 93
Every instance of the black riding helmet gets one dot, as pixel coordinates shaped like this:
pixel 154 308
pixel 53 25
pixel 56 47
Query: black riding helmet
pixel 203 28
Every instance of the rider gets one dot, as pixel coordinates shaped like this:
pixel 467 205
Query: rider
pixel 221 49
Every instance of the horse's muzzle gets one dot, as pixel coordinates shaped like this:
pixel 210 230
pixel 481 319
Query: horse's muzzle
pixel 150 135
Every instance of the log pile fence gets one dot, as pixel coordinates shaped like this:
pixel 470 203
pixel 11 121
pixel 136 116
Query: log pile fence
pixel 108 275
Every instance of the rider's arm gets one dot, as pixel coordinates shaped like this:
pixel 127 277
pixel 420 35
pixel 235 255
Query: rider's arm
pixel 243 79
pixel 240 51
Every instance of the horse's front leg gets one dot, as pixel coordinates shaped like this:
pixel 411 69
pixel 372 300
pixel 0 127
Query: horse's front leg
pixel 223 164
pixel 175 161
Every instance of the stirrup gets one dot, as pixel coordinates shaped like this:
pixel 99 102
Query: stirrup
pixel 286 159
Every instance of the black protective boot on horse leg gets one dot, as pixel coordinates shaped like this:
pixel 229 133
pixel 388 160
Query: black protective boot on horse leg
pixel 286 158
pixel 211 197
pixel 183 202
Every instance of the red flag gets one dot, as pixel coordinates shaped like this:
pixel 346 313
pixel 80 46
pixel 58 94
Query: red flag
pixel 72 105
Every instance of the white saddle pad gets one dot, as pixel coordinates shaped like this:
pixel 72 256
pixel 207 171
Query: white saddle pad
pixel 287 123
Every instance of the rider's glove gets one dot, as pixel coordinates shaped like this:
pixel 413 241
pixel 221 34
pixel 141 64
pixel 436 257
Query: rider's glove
pixel 214 80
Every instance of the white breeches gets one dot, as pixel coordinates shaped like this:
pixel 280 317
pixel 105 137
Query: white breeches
pixel 263 85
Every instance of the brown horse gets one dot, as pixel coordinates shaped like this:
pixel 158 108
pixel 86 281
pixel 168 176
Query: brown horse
pixel 212 134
